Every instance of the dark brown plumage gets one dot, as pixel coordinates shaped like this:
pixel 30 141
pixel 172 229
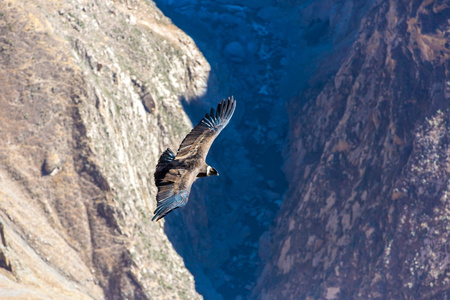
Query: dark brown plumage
pixel 175 173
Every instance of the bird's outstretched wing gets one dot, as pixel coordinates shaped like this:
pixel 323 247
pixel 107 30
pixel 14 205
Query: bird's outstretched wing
pixel 174 185
pixel 201 137
pixel 167 205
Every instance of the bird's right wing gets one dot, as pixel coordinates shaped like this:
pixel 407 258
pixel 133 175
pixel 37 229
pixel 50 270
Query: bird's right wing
pixel 200 139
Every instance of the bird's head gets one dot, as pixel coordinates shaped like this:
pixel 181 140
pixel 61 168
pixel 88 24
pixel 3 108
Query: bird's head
pixel 211 171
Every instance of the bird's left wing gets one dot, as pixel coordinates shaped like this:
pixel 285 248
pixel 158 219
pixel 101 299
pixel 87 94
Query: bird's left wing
pixel 167 205
pixel 174 184
pixel 200 139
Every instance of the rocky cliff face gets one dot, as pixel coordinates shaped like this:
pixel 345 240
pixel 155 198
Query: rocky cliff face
pixel 89 98
pixel 366 215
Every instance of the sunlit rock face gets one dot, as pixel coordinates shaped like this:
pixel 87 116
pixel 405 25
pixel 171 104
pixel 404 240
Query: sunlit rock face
pixel 89 98
pixel 366 214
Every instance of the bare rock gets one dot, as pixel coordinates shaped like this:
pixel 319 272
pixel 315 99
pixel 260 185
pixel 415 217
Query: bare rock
pixel 52 164
pixel 367 209
pixel 76 103
pixel 149 103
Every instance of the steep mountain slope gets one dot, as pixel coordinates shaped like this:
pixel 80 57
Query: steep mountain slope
pixel 89 98
pixel 366 215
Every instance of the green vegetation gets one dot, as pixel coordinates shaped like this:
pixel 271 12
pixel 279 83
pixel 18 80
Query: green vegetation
pixel 77 20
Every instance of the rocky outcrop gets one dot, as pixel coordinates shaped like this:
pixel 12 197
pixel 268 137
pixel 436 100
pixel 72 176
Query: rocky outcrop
pixel 89 91
pixel 366 214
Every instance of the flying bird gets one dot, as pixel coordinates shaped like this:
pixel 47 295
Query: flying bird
pixel 175 173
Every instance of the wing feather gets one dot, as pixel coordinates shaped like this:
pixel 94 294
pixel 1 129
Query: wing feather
pixel 173 185
pixel 172 178
pixel 173 191
pixel 169 204
pixel 201 137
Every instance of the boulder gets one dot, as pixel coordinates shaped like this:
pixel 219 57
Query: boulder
pixel 235 51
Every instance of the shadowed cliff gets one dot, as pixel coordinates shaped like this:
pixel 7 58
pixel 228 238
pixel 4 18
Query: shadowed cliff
pixel 262 52
pixel 366 216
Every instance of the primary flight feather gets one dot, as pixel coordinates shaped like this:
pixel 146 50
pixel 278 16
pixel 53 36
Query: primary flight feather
pixel 175 173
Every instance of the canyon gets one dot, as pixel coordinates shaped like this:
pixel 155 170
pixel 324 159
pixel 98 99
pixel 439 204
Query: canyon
pixel 334 171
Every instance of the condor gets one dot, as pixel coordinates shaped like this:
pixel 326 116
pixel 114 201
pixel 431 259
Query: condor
pixel 175 173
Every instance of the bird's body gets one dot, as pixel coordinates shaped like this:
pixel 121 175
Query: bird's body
pixel 175 174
